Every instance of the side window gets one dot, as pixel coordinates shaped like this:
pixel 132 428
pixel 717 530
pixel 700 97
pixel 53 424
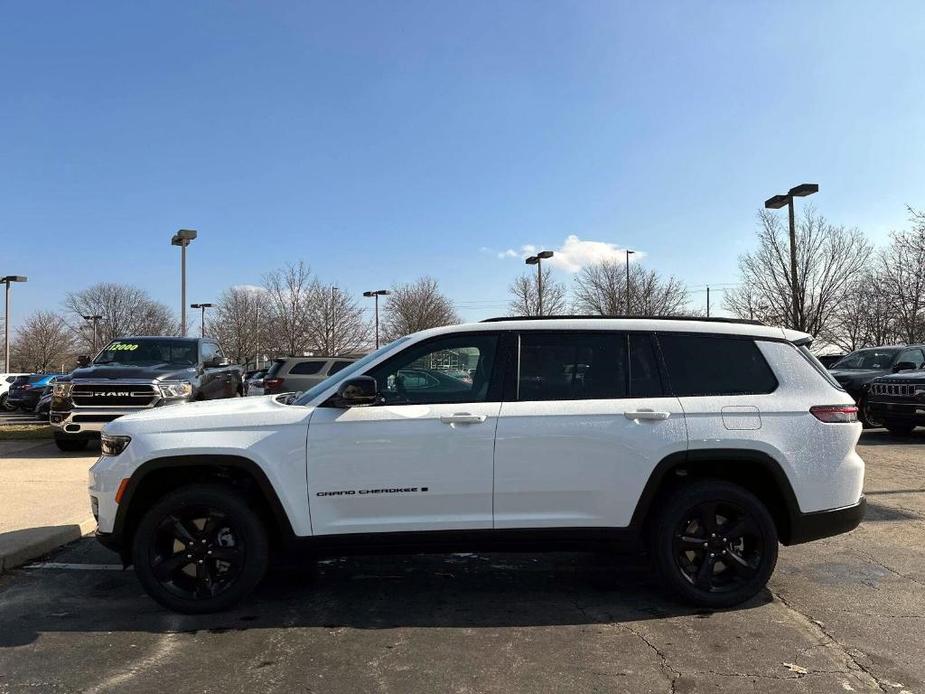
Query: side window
pixel 306 368
pixel 645 380
pixel 715 365
pixel 439 371
pixel 913 356
pixel 218 351
pixel 572 366
pixel 337 366
pixel 209 351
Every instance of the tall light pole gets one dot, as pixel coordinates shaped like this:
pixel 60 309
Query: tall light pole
pixel 202 317
pixel 8 280
pixel 182 239
pixel 628 254
pixel 93 320
pixel 376 294
pixel 776 203
pixel 538 261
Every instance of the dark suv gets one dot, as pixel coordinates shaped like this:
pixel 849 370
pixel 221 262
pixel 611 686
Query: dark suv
pixel 856 371
pixel 897 401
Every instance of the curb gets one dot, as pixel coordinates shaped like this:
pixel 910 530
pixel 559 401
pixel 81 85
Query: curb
pixel 32 543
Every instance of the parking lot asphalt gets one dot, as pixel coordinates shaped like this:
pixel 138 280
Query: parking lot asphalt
pixel 842 614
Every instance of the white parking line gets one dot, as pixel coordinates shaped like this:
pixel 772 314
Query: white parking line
pixel 73 567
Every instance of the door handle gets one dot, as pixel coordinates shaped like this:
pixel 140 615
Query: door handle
pixel 646 414
pixel 463 418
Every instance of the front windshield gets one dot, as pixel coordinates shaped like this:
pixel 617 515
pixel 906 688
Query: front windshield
pixel 347 372
pixel 147 352
pixel 867 359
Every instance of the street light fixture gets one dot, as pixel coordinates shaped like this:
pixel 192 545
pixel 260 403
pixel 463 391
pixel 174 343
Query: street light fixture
pixel 628 254
pixel 93 320
pixel 182 239
pixel 8 280
pixel 775 203
pixel 538 261
pixel 376 294
pixel 202 317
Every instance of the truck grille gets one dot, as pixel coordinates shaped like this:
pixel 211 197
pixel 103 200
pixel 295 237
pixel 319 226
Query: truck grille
pixel 902 390
pixel 113 395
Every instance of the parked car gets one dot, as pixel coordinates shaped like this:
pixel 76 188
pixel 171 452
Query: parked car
pixel 706 441
pixel 25 391
pixel 897 402
pixel 6 380
pixel 856 371
pixel 42 408
pixel 295 374
pixel 133 374
pixel 253 383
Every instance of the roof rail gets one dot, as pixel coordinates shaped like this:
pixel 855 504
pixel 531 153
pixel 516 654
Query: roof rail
pixel 742 321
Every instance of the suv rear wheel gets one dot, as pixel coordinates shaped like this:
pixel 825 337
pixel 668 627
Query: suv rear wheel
pixel 714 544
pixel 200 549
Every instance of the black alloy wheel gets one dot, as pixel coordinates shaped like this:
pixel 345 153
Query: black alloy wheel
pixel 200 549
pixel 716 543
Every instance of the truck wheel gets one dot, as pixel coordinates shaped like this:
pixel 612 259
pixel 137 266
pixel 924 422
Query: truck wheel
pixel 70 444
pixel 898 428
pixel 3 405
pixel 714 543
pixel 200 549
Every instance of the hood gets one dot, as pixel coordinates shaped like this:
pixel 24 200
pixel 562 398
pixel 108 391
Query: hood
pixel 159 372
pixel 915 376
pixel 232 413
pixel 856 374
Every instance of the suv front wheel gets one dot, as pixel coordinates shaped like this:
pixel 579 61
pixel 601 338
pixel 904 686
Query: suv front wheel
pixel 714 544
pixel 200 549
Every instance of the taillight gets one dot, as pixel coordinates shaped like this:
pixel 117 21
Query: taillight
pixel 835 414
pixel 272 383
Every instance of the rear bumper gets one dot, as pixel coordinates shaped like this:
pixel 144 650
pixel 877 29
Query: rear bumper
pixel 807 527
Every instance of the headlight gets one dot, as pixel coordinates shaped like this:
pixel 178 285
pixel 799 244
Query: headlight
pixel 61 390
pixel 113 445
pixel 183 389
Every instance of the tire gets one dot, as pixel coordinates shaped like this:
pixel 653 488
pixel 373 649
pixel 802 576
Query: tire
pixel 3 405
pixel 867 422
pixel 71 444
pixel 209 520
pixel 683 527
pixel 900 429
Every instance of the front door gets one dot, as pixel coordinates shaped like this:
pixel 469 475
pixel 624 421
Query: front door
pixel 588 423
pixel 421 460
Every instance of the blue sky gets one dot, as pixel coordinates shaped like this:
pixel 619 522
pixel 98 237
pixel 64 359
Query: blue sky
pixel 378 141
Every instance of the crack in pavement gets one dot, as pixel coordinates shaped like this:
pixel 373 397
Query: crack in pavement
pixel 816 627
pixel 879 563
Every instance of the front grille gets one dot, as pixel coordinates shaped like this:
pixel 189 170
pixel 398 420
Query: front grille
pixel 902 390
pixel 114 395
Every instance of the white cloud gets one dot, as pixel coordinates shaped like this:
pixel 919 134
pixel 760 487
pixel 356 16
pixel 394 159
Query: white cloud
pixel 575 253
pixel 249 287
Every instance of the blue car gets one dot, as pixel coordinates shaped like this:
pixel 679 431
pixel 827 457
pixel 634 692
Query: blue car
pixel 26 390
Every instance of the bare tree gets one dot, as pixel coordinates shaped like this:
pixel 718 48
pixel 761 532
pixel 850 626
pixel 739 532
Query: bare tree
pixel 239 322
pixel 289 292
pixel 902 268
pixel 335 322
pixel 829 258
pixel 417 306
pixel 43 342
pixel 125 310
pixel 526 293
pixel 866 317
pixel 601 289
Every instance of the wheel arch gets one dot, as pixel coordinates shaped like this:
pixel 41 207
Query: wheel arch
pixel 754 470
pixel 159 476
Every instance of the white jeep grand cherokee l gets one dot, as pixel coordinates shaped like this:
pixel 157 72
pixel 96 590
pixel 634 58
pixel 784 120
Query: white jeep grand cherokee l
pixel 706 442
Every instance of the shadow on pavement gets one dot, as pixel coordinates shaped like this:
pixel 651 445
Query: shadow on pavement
pixel 882 437
pixel 461 591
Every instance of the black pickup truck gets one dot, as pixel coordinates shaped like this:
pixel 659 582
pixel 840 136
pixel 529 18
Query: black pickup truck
pixel 133 374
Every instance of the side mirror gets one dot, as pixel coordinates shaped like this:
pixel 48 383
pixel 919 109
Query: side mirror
pixel 359 390
pixel 903 366
pixel 212 363
pixel 83 360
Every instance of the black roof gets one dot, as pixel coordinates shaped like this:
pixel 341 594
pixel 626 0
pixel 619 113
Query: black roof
pixel 741 321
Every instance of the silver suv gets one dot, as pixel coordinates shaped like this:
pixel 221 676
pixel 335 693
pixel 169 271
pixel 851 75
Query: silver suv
pixel 295 374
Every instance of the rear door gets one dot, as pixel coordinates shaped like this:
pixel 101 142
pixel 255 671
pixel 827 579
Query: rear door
pixel 587 421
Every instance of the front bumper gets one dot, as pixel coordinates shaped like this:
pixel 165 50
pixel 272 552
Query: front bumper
pixel 911 413
pixel 85 421
pixel 806 527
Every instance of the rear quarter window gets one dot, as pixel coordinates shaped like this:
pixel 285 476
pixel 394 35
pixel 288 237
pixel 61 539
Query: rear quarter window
pixel 715 365
pixel 306 368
